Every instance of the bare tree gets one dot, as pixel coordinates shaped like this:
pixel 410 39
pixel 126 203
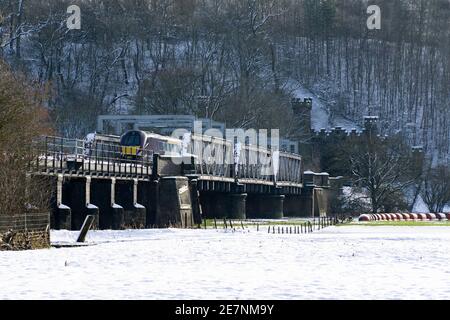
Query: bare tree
pixel 436 189
pixel 22 119
pixel 381 167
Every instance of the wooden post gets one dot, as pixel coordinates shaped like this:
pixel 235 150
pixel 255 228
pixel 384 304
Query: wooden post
pixel 242 224
pixel 215 223
pixel 205 222
pixel 87 224
pixel 257 227
pixel 224 223
pixel 231 224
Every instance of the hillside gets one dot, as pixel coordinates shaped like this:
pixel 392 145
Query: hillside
pixel 248 58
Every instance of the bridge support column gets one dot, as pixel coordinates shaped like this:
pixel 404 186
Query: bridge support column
pixel 110 213
pixel 306 204
pixel 293 206
pixel 147 197
pixel 62 214
pixel 175 206
pixel 236 207
pixel 91 209
pixel 265 206
pixel 126 194
pixel 195 199
pixel 76 196
pixel 223 205
pixel 272 206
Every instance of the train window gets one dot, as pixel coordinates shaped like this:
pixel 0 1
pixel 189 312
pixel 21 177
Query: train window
pixel 172 148
pixel 132 138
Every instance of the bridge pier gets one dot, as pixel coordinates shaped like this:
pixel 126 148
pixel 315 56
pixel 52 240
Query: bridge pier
pixel 293 206
pixel 195 199
pixel 265 206
pixel 147 197
pixel 223 205
pixel 313 202
pixel 236 206
pixel 111 214
pixel 76 195
pixel 61 217
pixel 174 206
pixel 126 194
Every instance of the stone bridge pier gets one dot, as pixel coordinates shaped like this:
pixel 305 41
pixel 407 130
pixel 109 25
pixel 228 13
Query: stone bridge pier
pixel 126 195
pixel 115 204
pixel 74 203
pixel 223 205
pixel 265 206
pixel 111 214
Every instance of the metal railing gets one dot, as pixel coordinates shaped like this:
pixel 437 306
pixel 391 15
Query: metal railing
pixel 215 157
pixel 73 156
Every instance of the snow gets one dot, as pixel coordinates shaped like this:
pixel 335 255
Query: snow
pixel 420 206
pixel 351 262
pixel 320 115
pixel 90 137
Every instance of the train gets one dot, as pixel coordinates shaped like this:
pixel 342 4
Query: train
pixel 133 144
pixel 137 143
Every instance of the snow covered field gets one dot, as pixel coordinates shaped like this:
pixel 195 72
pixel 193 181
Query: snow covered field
pixel 334 263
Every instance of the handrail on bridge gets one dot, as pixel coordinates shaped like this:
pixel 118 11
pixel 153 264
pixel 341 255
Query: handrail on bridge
pixel 64 155
pixel 213 157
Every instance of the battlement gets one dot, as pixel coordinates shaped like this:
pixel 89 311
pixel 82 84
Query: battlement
pixel 299 104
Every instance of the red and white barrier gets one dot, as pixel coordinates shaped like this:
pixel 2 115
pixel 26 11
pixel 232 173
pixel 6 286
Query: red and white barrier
pixel 413 216
pixel 404 217
pixel 441 216
pixel 422 216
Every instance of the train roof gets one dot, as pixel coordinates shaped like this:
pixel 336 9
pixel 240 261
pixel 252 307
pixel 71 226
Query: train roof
pixel 156 136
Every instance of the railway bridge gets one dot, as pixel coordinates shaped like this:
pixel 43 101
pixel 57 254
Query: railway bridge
pixel 162 190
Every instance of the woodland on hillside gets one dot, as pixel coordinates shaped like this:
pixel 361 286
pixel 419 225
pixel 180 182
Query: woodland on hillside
pixel 159 56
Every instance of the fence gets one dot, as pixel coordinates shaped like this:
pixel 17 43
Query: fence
pixel 296 227
pixel 30 230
